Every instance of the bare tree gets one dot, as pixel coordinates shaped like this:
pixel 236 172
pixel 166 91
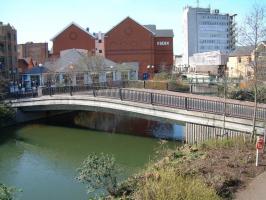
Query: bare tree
pixel 93 64
pixel 252 33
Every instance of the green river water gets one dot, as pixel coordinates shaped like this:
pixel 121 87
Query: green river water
pixel 42 159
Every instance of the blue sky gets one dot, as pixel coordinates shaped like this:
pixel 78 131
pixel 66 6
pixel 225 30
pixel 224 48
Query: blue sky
pixel 39 21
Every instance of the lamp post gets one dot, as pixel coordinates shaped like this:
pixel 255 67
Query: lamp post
pixel 150 70
pixel 71 68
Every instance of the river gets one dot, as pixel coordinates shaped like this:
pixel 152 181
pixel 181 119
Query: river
pixel 42 159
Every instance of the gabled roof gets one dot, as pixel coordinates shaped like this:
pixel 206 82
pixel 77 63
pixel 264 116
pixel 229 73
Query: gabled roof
pixel 74 24
pixel 83 62
pixel 132 20
pixel 242 51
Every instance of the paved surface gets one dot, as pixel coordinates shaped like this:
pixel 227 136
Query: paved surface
pixel 256 190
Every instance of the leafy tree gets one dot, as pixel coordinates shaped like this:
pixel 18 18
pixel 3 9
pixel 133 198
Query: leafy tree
pixel 99 172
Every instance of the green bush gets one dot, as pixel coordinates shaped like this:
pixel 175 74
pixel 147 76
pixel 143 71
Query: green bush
pixel 6 193
pixel 6 113
pixel 178 86
pixel 99 173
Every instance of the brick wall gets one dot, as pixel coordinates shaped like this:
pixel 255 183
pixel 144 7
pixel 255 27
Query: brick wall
pixel 73 38
pixel 130 42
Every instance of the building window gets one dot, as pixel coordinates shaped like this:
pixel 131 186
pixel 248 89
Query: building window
pixel 124 75
pixel 100 51
pixel 95 78
pixel 239 59
pixel 109 76
pixel 100 41
pixel 80 79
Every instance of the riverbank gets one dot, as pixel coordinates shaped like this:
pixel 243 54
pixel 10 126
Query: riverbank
pixel 213 170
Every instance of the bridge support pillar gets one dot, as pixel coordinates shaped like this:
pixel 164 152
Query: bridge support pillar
pixel 196 133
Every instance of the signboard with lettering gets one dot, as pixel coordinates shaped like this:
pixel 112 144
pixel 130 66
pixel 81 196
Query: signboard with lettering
pixel 162 43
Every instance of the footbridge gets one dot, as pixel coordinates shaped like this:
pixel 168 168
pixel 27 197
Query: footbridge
pixel 204 116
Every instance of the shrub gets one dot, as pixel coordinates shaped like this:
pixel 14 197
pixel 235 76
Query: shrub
pixel 6 193
pixel 99 172
pixel 6 113
pixel 169 185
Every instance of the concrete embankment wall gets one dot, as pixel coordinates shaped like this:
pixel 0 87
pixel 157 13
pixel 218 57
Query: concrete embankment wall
pixel 196 133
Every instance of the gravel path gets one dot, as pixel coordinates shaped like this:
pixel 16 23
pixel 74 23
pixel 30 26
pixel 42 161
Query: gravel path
pixel 256 190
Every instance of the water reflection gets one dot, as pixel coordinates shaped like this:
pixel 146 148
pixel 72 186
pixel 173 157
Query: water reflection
pixel 42 159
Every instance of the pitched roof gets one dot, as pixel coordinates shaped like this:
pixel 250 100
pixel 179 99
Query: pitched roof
pixel 164 33
pixel 242 51
pixel 74 24
pixel 132 20
pixel 83 62
pixel 37 70
pixel 160 32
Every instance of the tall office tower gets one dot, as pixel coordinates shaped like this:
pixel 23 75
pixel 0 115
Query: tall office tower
pixel 206 30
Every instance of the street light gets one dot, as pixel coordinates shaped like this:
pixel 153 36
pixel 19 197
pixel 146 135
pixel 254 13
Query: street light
pixel 71 67
pixel 150 69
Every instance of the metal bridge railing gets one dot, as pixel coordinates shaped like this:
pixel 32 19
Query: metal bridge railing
pixel 177 100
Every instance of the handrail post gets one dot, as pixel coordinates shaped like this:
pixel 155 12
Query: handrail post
pixel 186 103
pixel 120 94
pixel 151 96
pixel 93 91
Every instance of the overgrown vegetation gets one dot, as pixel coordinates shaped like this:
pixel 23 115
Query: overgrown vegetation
pixel 248 94
pixel 212 170
pixel 6 193
pixel 99 173
pixel 6 112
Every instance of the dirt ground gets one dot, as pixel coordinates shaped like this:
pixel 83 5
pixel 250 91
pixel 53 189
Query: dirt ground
pixel 228 170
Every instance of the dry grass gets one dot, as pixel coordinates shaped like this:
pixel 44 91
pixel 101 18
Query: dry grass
pixel 169 185
pixel 214 170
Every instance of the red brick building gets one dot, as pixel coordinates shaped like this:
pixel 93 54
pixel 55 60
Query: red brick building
pixel 130 41
pixel 25 64
pixel 73 37
pixel 37 51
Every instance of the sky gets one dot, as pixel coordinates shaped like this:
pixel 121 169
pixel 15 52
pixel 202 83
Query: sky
pixel 41 20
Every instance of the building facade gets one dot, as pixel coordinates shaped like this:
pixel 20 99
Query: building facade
pixel 130 41
pixel 37 51
pixel 99 44
pixel 83 69
pixel 25 64
pixel 206 30
pixel 209 63
pixel 8 50
pixel 239 62
pixel 73 37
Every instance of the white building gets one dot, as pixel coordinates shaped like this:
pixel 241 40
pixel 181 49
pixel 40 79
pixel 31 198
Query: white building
pixel 212 63
pixel 82 68
pixel 206 30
